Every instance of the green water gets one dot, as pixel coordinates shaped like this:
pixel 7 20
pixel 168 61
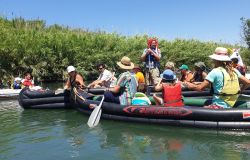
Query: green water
pixel 63 134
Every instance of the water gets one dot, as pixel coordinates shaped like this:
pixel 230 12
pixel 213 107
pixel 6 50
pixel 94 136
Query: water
pixel 63 134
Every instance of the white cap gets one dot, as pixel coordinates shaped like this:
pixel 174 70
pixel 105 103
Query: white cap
pixel 18 79
pixel 71 69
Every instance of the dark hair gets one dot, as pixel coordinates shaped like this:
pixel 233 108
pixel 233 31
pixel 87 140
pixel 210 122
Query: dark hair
pixel 235 60
pixel 100 65
pixel 168 81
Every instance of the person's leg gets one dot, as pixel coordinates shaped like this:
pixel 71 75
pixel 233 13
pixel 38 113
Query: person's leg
pixel 147 77
pixel 158 100
pixel 111 97
pixel 155 75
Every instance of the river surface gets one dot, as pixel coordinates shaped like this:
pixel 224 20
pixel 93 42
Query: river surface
pixel 63 134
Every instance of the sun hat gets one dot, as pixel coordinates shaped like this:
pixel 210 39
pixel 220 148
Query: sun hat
pixel 220 54
pixel 169 64
pixel 200 65
pixel 125 63
pixel 17 79
pixel 70 69
pixel 183 67
pixel 168 75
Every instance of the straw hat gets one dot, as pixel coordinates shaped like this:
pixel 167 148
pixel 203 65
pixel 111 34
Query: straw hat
pixel 220 54
pixel 125 63
pixel 169 64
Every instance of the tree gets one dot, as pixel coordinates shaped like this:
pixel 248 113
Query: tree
pixel 246 30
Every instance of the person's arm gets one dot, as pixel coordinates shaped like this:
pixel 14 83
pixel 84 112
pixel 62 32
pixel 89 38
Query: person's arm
pixel 158 87
pixel 157 56
pixel 67 84
pixel 245 82
pixel 115 89
pixel 79 79
pixel 144 54
pixel 199 87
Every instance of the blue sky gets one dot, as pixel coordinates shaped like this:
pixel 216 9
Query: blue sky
pixel 206 20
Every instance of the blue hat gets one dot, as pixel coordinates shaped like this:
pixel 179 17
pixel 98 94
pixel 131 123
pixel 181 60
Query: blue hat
pixel 168 75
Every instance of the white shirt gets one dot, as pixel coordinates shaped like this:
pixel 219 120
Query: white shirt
pixel 106 75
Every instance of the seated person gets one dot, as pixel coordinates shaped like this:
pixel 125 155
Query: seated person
pixel 186 74
pixel 27 81
pixel 200 73
pixel 224 79
pixel 170 65
pixel 126 85
pixel 240 68
pixel 74 80
pixel 140 78
pixel 17 83
pixel 105 78
pixel 171 91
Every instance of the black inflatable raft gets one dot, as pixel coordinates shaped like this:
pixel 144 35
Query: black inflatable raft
pixel 43 99
pixel 191 115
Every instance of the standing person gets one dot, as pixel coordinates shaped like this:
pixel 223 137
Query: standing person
pixel 126 85
pixel 171 90
pixel 186 74
pixel 140 78
pixel 200 73
pixel 151 57
pixel 104 79
pixel 28 80
pixel 224 79
pixel 74 80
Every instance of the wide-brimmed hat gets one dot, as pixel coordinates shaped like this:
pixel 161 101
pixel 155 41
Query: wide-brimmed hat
pixel 125 63
pixel 168 75
pixel 183 67
pixel 220 54
pixel 200 65
pixel 70 69
pixel 169 64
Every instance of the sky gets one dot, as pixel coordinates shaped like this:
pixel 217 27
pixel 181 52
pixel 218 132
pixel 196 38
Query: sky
pixel 205 20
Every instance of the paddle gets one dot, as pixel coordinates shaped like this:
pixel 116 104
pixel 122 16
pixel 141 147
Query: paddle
pixel 95 116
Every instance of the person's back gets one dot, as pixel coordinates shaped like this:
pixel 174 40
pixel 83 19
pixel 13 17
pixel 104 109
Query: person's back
pixel 74 80
pixel 172 94
pixel 171 91
pixel 128 83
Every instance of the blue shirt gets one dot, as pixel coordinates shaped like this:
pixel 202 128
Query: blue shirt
pixel 216 78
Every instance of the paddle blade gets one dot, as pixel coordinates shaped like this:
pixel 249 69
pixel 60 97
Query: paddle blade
pixel 95 116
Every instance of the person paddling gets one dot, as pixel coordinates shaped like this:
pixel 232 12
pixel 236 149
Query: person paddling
pixel 224 79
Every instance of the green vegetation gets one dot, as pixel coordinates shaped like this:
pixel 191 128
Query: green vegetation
pixel 30 45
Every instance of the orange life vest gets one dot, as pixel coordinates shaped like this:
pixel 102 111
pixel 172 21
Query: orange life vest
pixel 172 96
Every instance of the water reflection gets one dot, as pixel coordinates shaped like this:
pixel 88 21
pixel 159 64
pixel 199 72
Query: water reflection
pixel 63 134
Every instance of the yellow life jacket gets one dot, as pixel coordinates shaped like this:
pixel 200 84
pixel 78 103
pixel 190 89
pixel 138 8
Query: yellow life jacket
pixel 231 87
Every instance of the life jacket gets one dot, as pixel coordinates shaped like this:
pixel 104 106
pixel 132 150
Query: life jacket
pixel 172 95
pixel 231 87
pixel 150 60
pixel 27 83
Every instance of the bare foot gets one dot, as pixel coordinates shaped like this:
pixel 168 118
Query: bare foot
pixel 92 106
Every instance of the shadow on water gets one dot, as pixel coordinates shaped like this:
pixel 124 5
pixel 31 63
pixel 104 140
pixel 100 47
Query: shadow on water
pixel 63 134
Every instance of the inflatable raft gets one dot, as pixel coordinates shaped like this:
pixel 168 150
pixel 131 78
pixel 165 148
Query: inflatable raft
pixel 6 94
pixel 43 99
pixel 191 115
